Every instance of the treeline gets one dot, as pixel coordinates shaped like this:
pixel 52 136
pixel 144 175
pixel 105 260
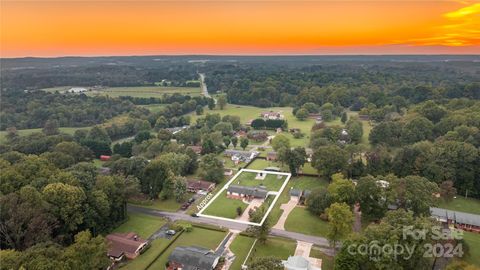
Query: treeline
pixel 24 110
pixel 347 84
pixel 166 99
pixel 97 74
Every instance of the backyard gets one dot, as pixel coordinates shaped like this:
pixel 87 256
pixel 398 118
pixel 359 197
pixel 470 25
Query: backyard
pixel 272 182
pixel 462 204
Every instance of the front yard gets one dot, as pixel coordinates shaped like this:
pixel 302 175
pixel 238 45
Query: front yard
pixel 225 207
pixel 274 247
pixel 143 225
pixel 240 247
pixel 302 221
pixel 201 237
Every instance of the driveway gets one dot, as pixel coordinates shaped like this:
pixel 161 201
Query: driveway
pixel 251 205
pixel 287 208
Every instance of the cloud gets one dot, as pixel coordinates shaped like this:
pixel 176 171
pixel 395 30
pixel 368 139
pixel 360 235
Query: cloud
pixel 461 28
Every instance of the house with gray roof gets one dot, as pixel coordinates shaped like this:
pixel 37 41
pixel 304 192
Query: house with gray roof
pixel 301 263
pixel 192 258
pixel 240 192
pixel 461 220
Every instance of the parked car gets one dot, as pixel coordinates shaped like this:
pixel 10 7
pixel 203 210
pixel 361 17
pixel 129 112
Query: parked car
pixel 191 200
pixel 185 206
pixel 171 232
pixel 194 215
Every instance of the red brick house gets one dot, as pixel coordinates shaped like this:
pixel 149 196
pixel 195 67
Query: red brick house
pixel 127 245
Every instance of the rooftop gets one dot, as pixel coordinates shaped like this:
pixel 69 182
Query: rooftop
pixel 258 192
pixel 194 258
pixel 458 217
pixel 121 243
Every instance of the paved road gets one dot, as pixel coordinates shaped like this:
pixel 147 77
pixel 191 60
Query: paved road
pixel 228 224
pixel 204 86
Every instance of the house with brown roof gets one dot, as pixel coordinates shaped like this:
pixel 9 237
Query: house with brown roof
pixel 196 148
pixel 127 245
pixel 199 185
pixel 272 156
pixel 192 258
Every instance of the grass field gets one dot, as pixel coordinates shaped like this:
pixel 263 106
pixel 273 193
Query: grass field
pixel 327 261
pixel 25 132
pixel 142 262
pixel 225 207
pixel 249 112
pixel 271 181
pixel 473 242
pixel 462 204
pixel 302 221
pixel 197 237
pixel 240 247
pixel 145 91
pixel 274 247
pixel 154 107
pixel 169 205
pixel 143 225
pixel 297 183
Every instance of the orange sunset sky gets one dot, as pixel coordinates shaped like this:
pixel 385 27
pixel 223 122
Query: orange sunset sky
pixel 128 27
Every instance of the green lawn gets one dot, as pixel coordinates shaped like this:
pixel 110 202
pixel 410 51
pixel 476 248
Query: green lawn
pixel 271 181
pixel 249 112
pixel 302 221
pixel 468 205
pixel 25 132
pixel 473 242
pixel 153 107
pixel 240 247
pixel 261 164
pixel 300 142
pixel 197 237
pixel 146 258
pixel 297 183
pixel 307 168
pixel 169 205
pixel 274 247
pixel 225 207
pixel 143 225
pixel 145 91
pixel 327 261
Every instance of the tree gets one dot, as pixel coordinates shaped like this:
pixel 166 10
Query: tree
pixel 100 134
pixel 239 211
pixel 341 189
pixel 211 103
pixel 355 130
pixel 258 123
pixel 226 141
pixel 318 200
pixel 24 219
pixel 222 101
pixel 415 193
pixel 211 168
pixel 340 222
pixel 372 197
pixel 264 263
pixel 123 149
pixel 234 141
pixel 344 117
pixel 417 129
pixel 180 189
pixel 302 114
pixel 295 158
pixel 244 143
pixel 224 127
pixel 12 133
pixel 142 136
pixel 280 141
pixel 51 128
pixel 329 160
pixel 208 147
pixel 155 173
pixel 432 111
pixel 87 251
pixel 161 122
pixel 199 110
pixel 168 188
pixel 447 191
pixel 67 204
